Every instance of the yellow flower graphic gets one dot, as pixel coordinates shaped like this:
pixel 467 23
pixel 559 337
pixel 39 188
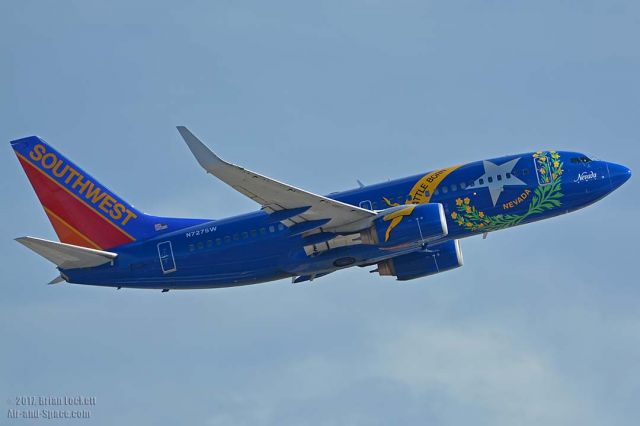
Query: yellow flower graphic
pixel 481 214
pixel 458 202
pixel 556 164
pixel 454 215
pixel 467 200
pixel 468 209
pixel 543 171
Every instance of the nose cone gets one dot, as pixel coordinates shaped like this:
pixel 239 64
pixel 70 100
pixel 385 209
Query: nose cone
pixel 618 174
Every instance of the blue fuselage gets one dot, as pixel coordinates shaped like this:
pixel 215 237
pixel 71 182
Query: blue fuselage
pixel 477 197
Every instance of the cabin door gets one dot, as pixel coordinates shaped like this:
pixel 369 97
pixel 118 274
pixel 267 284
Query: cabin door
pixel 167 261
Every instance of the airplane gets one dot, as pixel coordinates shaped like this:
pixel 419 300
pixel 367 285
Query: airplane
pixel 406 228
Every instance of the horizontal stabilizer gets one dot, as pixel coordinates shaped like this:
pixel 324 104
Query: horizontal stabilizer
pixel 67 256
pixel 56 280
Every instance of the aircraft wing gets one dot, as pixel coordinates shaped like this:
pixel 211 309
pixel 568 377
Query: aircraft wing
pixel 291 205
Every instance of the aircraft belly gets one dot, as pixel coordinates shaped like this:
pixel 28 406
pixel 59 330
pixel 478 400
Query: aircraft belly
pixel 299 263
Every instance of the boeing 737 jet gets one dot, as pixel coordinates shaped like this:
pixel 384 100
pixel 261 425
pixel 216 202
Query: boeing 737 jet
pixel 406 228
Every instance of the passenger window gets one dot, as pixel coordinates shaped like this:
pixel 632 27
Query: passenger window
pixel 437 191
pixel 445 189
pixel 508 175
pixel 454 187
pixel 490 179
pixel 253 233
pixel 525 172
pixel 200 245
pixel 263 231
pixel 427 193
pixel 227 239
pixel 209 243
pixel 218 241
pixel 236 237
pixel 463 185
pixel 245 235
pixel 280 227
pixel 192 247
pixel 499 177
pixel 481 181
pixel 272 228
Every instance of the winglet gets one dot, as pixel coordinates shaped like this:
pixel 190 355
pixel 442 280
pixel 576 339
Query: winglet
pixel 206 158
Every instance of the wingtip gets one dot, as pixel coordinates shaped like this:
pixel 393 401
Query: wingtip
pixel 200 151
pixel 185 133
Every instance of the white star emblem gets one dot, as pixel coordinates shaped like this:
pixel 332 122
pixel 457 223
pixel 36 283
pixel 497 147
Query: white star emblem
pixel 490 178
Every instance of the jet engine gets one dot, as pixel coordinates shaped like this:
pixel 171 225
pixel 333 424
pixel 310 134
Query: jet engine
pixel 407 224
pixel 437 258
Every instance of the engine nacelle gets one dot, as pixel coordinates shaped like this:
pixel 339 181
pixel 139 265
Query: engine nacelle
pixel 407 224
pixel 439 258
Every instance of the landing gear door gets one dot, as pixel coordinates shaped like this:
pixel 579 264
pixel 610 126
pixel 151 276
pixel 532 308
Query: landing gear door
pixel 167 261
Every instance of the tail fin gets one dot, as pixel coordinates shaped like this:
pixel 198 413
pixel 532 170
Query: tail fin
pixel 84 212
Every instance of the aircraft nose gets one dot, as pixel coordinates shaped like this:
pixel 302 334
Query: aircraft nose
pixel 618 174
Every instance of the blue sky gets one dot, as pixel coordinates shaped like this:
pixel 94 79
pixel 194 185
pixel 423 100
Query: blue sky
pixel 541 325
